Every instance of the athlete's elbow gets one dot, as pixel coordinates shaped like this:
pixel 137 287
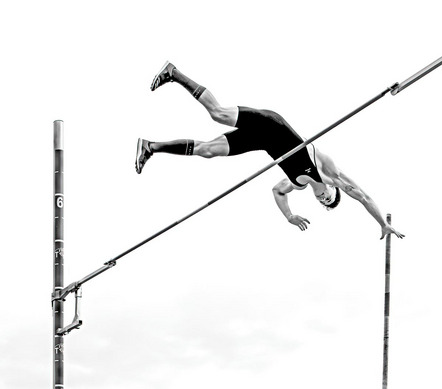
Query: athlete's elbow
pixel 277 191
pixel 365 200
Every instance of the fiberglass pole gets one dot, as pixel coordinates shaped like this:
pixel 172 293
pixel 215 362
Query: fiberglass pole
pixel 386 306
pixel 57 305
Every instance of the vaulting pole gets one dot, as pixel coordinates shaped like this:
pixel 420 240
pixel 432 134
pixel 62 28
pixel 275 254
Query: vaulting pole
pixel 386 307
pixel 57 305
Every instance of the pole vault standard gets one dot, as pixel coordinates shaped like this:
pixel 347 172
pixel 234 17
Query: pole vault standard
pixel 57 305
pixel 386 308
pixel 394 89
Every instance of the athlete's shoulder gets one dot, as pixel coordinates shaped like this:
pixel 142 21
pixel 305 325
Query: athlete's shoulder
pixel 325 164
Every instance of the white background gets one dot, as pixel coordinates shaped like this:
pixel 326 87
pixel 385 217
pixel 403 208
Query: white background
pixel 236 296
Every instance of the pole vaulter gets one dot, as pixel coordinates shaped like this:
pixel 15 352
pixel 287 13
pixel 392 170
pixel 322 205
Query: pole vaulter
pixel 60 292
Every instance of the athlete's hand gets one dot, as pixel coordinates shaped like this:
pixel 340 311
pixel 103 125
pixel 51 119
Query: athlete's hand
pixel 299 221
pixel 390 230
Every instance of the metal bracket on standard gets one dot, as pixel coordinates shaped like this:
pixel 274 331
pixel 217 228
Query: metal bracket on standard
pixel 63 293
pixel 76 322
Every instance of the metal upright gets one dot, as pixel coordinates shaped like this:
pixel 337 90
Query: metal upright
pixel 57 305
pixel 386 307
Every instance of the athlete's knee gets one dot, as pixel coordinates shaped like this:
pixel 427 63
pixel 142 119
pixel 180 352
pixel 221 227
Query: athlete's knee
pixel 216 113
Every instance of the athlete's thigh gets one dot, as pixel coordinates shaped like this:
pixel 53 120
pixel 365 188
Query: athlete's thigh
pixel 214 148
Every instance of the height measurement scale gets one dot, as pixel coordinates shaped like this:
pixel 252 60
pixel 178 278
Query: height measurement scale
pixel 58 305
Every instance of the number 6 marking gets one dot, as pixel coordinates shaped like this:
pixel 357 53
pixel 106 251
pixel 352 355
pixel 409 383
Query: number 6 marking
pixel 60 202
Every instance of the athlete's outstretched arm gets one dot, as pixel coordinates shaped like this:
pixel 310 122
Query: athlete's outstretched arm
pixel 347 185
pixel 280 191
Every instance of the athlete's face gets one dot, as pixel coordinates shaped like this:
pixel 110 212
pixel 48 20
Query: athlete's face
pixel 328 196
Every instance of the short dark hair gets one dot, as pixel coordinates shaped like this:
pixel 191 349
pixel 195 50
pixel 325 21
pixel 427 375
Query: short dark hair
pixel 335 203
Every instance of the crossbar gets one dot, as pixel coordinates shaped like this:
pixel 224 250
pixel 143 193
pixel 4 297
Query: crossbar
pixel 417 76
pixel 396 88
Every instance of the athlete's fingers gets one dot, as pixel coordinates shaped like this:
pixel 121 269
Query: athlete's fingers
pixel 306 221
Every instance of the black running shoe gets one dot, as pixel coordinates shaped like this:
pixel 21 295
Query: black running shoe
pixel 163 76
pixel 144 152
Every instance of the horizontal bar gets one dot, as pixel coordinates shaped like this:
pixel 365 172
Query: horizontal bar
pixel 396 88
pixel 417 76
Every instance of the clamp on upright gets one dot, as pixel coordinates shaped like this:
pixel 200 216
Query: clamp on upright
pixel 61 295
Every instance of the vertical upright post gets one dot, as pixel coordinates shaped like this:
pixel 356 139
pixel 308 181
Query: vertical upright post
pixel 57 305
pixel 386 307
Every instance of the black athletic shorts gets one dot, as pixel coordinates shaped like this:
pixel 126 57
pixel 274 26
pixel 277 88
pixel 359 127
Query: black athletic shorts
pixel 260 129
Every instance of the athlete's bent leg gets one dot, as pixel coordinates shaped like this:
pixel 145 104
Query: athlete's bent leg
pixel 223 115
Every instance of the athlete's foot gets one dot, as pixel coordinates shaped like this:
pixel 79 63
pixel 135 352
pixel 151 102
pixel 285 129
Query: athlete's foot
pixel 144 152
pixel 163 76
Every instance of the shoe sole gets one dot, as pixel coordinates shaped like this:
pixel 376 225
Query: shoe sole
pixel 158 74
pixel 139 152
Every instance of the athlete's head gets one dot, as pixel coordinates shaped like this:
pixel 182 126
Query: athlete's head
pixel 330 198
